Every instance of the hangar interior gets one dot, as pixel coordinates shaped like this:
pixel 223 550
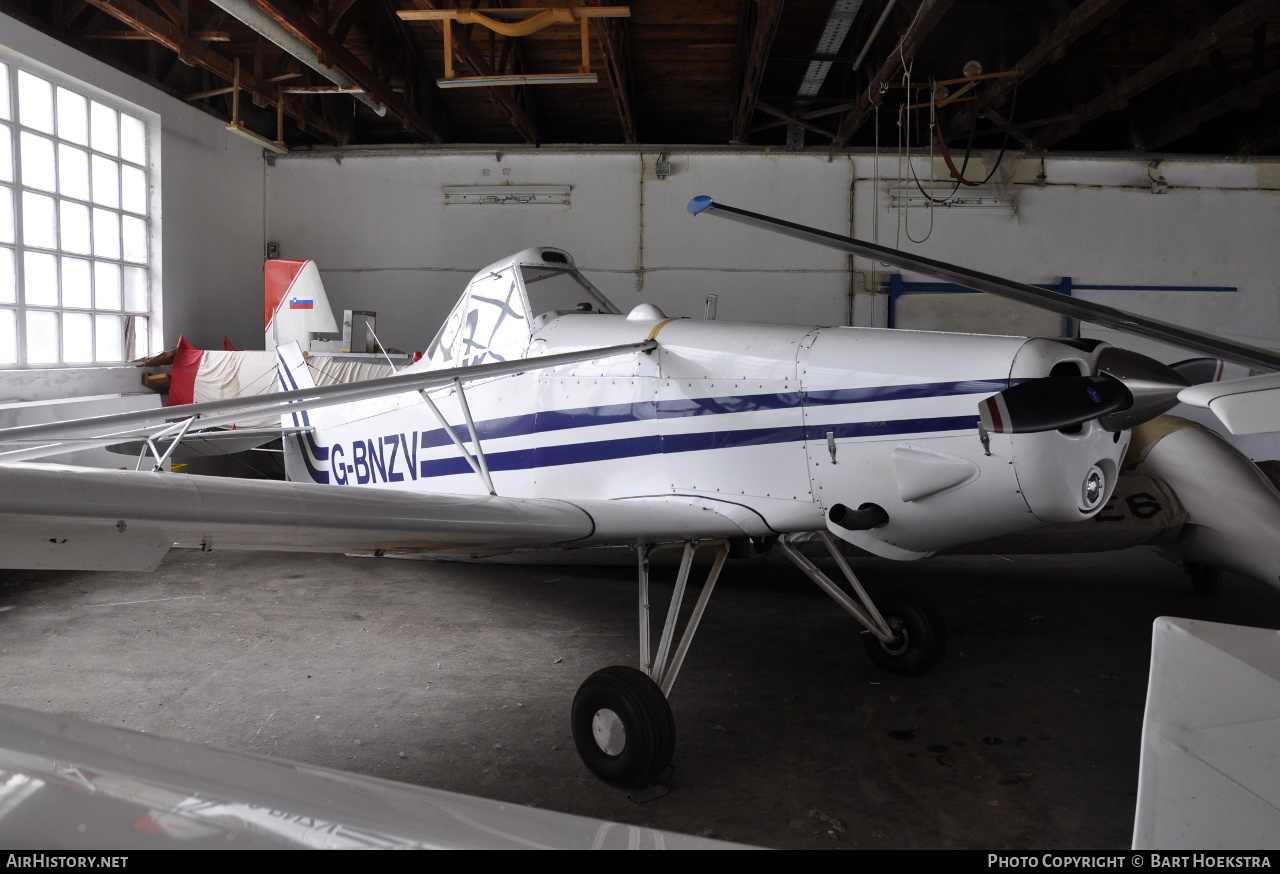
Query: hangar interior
pixel 1127 151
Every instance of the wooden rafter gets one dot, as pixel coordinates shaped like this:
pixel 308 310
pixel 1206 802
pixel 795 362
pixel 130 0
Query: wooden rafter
pixel 465 51
pixel 767 13
pixel 788 118
pixel 195 53
pixel 926 18
pixel 302 26
pixel 617 67
pixel 1081 21
pixel 1242 17
pixel 201 35
pixel 1246 96
pixel 169 8
pixel 420 90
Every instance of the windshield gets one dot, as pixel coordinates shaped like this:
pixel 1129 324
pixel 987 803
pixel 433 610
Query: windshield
pixel 562 290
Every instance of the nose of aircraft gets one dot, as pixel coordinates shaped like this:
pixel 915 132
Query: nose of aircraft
pixel 1128 389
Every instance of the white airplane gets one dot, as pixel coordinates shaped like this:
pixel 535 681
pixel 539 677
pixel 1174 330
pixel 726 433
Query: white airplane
pixel 543 417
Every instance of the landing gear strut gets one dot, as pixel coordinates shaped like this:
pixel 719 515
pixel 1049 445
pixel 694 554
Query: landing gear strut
pixel 902 637
pixel 622 723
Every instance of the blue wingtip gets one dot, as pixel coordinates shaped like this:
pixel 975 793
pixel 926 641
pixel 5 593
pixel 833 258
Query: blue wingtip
pixel 699 204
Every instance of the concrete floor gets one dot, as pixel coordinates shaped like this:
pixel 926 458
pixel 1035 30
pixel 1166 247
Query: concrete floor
pixel 1024 737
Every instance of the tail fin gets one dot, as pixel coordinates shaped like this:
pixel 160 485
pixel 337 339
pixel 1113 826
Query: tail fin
pixel 306 458
pixel 296 304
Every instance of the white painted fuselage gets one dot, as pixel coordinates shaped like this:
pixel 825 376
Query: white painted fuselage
pixel 768 426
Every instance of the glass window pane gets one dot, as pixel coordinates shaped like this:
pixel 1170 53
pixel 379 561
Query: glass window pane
pixel 35 102
pixel 8 337
pixel 140 345
pixel 40 279
pixel 6 215
pixel 74 222
pixel 106 234
pixel 134 234
pixel 106 182
pixel 42 337
pixel 106 285
pixel 133 189
pixel 37 163
pixel 73 117
pixel 39 221
pixel 110 337
pixel 133 139
pixel 4 92
pixel 6 153
pixel 77 337
pixel 77 283
pixel 73 172
pixel 135 290
pixel 8 277
pixel 103 133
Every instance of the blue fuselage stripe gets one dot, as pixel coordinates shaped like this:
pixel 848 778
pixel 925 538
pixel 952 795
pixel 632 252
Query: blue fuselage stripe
pixel 679 408
pixel 635 447
pixel 547 421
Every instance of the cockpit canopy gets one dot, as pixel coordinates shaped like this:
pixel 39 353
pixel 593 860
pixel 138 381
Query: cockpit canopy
pixel 507 302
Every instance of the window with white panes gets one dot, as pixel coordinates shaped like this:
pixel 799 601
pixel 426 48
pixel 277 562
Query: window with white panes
pixel 75 229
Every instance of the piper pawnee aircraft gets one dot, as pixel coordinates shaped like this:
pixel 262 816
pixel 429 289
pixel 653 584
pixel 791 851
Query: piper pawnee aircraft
pixel 543 417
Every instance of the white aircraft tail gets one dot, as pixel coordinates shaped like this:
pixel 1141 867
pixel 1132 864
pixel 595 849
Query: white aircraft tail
pixel 296 303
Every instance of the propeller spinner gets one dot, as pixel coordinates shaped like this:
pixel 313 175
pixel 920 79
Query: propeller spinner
pixel 1129 389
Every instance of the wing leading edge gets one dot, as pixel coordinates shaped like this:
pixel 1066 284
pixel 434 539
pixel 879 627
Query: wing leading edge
pixel 73 518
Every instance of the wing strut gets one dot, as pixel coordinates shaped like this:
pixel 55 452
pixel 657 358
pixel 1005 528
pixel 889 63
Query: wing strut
pixel 482 468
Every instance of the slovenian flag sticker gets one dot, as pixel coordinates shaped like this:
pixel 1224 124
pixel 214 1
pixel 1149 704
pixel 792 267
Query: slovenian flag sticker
pixel 298 303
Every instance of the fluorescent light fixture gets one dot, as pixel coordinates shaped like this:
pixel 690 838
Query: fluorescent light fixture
pixel 506 195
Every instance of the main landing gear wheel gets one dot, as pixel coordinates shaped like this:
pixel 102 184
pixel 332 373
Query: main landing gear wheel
pixel 920 637
pixel 622 726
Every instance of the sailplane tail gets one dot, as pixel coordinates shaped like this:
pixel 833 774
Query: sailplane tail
pixel 295 303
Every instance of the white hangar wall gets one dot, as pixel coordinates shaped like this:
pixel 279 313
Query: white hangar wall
pixel 1204 223
pixel 379 229
pixel 209 273
pixel 377 224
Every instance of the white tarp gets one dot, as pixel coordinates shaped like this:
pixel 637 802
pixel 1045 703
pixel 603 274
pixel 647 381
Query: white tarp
pixel 1209 778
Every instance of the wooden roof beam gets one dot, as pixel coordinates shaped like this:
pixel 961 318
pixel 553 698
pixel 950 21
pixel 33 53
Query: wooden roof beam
pixel 420 82
pixel 1244 97
pixel 1243 16
pixel 1081 21
pixel 927 16
pixel 617 67
pixel 767 14
pixel 195 53
pixel 470 56
pixel 306 29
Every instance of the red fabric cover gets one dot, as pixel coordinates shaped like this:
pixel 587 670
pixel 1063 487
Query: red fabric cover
pixel 277 277
pixel 228 346
pixel 182 377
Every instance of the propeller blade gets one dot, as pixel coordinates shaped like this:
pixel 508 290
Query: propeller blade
pixel 1200 370
pixel 1053 402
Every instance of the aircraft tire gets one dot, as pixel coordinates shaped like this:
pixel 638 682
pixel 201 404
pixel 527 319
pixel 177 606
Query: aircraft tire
pixel 922 637
pixel 622 727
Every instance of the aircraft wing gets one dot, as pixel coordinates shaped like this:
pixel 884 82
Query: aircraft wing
pixel 117 427
pixel 63 517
